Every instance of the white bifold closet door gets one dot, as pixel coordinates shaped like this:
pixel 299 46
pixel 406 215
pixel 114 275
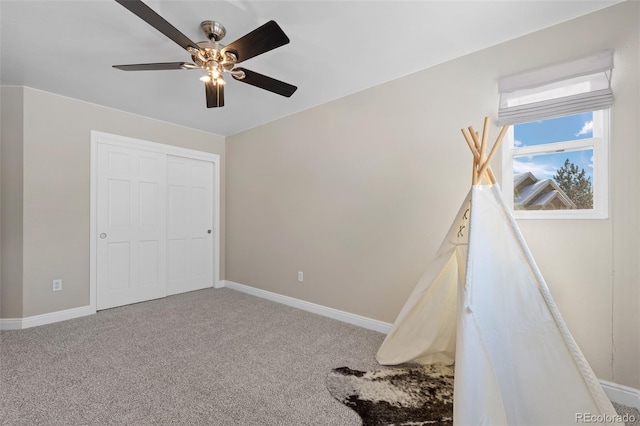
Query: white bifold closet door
pixel 154 216
pixel 189 224
pixel 131 219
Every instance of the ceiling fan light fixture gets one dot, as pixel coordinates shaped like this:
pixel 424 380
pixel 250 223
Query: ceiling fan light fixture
pixel 213 57
pixel 230 57
pixel 237 74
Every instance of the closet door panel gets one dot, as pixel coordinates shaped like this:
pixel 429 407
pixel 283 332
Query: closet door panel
pixel 131 226
pixel 190 224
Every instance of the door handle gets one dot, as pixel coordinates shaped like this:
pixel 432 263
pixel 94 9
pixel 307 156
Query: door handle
pixel 208 231
pixel 103 236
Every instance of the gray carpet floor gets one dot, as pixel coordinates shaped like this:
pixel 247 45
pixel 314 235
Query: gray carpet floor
pixel 209 357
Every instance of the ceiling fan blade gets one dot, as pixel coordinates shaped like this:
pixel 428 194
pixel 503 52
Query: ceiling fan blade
pixel 215 94
pixel 261 40
pixel 157 66
pixel 148 15
pixel 266 83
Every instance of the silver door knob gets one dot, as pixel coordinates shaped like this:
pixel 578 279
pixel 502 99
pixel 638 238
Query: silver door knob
pixel 103 235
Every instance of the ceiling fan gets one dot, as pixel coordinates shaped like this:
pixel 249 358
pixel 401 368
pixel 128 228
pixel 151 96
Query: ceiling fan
pixel 212 56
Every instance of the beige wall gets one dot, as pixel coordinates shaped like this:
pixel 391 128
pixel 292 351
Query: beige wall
pixel 11 185
pixel 359 192
pixel 56 171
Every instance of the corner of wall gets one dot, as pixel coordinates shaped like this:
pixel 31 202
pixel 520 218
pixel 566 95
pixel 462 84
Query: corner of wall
pixel 11 185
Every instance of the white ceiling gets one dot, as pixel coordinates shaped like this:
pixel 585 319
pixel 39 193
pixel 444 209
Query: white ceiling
pixel 337 48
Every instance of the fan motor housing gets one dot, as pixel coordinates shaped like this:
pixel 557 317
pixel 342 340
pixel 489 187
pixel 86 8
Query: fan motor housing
pixel 211 51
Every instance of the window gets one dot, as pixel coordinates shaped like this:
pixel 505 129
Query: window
pixel 557 168
pixel 555 154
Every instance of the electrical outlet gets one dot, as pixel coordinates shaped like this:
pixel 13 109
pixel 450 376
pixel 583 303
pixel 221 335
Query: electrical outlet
pixel 300 276
pixel 57 285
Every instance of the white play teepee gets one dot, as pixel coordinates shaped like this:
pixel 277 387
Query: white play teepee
pixel 483 304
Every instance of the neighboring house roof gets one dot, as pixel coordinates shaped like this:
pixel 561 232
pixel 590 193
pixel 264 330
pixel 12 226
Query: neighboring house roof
pixel 531 193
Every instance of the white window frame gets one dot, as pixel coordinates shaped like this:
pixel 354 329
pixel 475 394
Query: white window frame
pixel 600 145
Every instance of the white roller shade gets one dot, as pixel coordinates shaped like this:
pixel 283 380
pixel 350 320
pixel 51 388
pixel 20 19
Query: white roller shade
pixel 558 90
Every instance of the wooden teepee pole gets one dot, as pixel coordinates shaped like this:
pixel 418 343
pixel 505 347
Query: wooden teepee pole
pixel 478 145
pixel 493 150
pixel 476 155
pixel 485 134
pixel 476 140
pixel 474 146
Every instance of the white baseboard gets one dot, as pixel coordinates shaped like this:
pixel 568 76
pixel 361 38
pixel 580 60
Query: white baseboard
pixel 621 394
pixel 360 321
pixel 36 320
pixel 10 323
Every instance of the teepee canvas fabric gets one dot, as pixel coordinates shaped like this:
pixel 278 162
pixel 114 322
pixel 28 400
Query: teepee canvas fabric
pixel 484 305
pixel 425 329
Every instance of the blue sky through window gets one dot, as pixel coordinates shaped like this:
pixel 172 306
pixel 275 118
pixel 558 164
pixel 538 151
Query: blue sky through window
pixel 543 166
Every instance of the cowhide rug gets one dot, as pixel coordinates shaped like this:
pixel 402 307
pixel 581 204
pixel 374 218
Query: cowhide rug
pixel 396 396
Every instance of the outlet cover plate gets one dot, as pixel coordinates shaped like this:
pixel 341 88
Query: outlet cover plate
pixel 57 285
